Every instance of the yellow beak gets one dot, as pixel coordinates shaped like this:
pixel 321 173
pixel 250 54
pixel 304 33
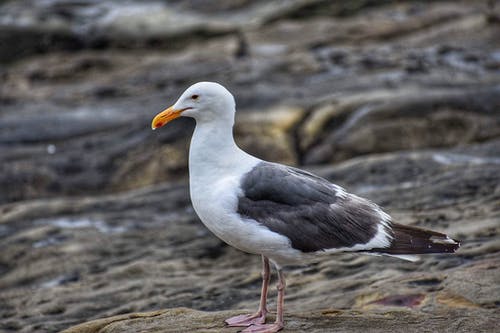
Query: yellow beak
pixel 164 117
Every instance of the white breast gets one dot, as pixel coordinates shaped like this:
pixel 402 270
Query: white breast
pixel 215 200
pixel 217 209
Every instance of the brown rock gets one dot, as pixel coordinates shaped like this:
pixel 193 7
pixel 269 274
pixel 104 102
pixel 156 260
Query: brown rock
pixel 269 134
pixel 95 218
pixel 328 320
pixel 412 120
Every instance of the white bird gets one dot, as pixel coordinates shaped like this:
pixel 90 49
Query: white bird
pixel 286 215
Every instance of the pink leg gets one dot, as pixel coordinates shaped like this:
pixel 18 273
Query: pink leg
pixel 260 316
pixel 279 323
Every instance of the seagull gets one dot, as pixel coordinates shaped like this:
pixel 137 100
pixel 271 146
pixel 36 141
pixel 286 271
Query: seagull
pixel 284 214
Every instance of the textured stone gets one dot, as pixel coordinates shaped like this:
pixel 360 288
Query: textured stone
pixel 328 320
pixel 90 257
pixel 408 120
pixel 275 129
pixel 396 101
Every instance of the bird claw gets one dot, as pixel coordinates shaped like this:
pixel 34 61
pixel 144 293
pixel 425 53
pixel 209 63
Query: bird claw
pixel 246 320
pixel 263 328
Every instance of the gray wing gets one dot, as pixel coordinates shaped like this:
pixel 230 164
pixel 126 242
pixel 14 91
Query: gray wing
pixel 313 213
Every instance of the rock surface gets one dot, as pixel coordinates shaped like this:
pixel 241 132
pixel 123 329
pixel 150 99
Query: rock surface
pixel 398 101
pixel 186 320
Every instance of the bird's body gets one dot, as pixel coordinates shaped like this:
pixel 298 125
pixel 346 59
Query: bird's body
pixel 216 166
pixel 287 215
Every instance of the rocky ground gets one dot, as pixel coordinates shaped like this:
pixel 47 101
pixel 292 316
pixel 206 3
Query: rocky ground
pixel 398 101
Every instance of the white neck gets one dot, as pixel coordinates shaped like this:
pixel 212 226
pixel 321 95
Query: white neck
pixel 214 154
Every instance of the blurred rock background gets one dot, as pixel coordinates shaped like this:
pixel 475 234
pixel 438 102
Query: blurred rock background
pixel 399 101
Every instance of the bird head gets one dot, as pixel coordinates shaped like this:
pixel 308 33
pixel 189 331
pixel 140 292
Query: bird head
pixel 203 101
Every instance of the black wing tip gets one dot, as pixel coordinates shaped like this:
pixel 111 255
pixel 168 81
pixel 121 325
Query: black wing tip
pixel 447 244
pixel 413 240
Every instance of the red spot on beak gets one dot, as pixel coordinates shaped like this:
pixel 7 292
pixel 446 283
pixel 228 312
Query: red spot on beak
pixel 158 124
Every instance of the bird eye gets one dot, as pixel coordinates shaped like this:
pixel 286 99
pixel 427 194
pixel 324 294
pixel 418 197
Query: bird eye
pixel 195 97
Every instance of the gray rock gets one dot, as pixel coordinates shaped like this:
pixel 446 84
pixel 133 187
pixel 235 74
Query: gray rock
pixel 404 121
pixel 186 320
pixel 145 249
pixel 398 103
